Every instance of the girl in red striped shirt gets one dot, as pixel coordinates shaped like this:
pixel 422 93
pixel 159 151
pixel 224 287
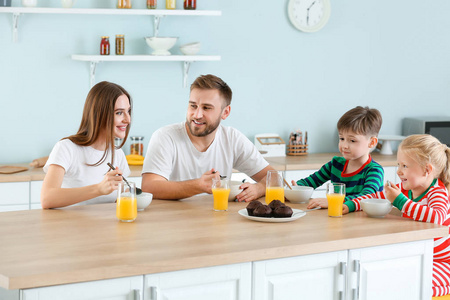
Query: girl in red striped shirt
pixel 422 195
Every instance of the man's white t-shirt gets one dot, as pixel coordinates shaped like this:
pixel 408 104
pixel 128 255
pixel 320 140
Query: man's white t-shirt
pixel 74 159
pixel 171 154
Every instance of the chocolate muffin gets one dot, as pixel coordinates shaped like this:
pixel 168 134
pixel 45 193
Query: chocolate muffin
pixel 282 212
pixel 263 211
pixel 274 204
pixel 252 205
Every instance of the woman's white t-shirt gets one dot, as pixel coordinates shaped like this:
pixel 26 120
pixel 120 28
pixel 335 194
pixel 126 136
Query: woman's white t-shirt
pixel 75 159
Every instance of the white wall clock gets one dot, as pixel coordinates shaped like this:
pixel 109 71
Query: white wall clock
pixel 309 15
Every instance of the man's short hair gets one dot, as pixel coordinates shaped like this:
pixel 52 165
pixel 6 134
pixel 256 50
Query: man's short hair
pixel 211 82
pixel 361 120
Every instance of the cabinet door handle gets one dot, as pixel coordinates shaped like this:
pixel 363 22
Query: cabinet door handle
pixel 153 293
pixel 343 273
pixel 137 294
pixel 356 269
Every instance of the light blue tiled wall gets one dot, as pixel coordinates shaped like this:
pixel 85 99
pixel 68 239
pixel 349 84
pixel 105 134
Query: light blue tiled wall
pixel 393 55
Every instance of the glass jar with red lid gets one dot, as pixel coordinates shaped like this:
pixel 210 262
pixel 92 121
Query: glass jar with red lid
pixel 190 4
pixel 151 4
pixel 104 45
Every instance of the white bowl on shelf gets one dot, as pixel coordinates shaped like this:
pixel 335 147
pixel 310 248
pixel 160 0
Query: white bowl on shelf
pixel 161 45
pixel 143 200
pixel 298 194
pixel 376 208
pixel 29 3
pixel 67 3
pixel 190 49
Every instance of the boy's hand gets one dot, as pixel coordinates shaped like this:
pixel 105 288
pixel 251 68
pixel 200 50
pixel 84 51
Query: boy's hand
pixel 391 191
pixel 345 209
pixel 318 202
pixel 293 182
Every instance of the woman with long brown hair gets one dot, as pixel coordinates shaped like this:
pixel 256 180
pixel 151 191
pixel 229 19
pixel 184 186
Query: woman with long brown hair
pixel 77 170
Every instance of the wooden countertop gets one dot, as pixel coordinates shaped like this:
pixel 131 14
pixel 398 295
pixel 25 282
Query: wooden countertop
pixel 281 163
pixel 85 243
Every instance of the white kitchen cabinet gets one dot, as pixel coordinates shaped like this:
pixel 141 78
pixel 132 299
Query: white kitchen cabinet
pixel 35 194
pixel 229 282
pixel 136 180
pixel 127 288
pixel 391 272
pixel 390 173
pixel 316 276
pixel 15 196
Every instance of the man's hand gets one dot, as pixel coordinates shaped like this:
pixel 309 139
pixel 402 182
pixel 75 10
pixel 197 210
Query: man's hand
pixel 205 181
pixel 251 192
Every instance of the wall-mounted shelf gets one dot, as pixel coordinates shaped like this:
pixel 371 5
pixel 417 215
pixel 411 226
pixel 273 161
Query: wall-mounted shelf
pixel 156 13
pixel 185 59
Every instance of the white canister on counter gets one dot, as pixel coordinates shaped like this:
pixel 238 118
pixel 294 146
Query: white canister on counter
pixel 29 3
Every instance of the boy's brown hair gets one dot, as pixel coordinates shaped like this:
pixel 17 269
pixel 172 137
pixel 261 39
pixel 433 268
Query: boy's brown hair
pixel 361 120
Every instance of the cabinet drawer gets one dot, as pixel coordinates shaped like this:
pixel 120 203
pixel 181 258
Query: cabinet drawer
pixel 315 276
pixel 126 288
pixel 35 191
pixel 231 282
pixel 14 193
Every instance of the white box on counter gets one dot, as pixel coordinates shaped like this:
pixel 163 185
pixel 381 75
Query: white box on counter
pixel 270 144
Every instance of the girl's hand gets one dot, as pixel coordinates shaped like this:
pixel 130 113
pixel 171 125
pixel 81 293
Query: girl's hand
pixel 321 202
pixel 293 182
pixel 110 182
pixel 391 191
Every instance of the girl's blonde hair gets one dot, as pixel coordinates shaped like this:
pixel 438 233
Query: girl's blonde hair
pixel 426 149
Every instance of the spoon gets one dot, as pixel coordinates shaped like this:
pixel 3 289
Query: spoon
pixel 221 176
pixel 315 208
pixel 138 190
pixel 287 184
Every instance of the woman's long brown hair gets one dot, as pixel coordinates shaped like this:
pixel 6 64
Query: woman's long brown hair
pixel 98 116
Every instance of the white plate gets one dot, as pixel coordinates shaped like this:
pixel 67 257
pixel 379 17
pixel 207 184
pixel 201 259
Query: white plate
pixel 297 214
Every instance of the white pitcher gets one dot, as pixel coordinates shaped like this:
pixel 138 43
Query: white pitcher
pixel 29 3
pixel 68 3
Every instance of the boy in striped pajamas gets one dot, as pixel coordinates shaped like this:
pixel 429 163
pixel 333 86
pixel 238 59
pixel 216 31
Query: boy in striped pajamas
pixel 422 195
pixel 358 130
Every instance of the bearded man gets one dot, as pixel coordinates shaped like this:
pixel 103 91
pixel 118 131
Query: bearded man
pixel 183 158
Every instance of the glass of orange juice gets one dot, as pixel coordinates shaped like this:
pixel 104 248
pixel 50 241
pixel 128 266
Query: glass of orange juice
pixel 335 197
pixel 274 186
pixel 126 208
pixel 221 191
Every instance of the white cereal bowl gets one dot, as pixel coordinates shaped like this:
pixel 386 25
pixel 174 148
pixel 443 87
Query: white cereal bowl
pixel 376 208
pixel 234 189
pixel 298 194
pixel 161 45
pixel 143 200
pixel 190 49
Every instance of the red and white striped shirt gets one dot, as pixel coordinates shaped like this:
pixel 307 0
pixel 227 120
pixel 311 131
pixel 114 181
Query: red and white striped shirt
pixel 433 206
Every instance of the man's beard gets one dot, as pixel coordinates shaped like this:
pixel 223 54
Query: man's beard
pixel 208 129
